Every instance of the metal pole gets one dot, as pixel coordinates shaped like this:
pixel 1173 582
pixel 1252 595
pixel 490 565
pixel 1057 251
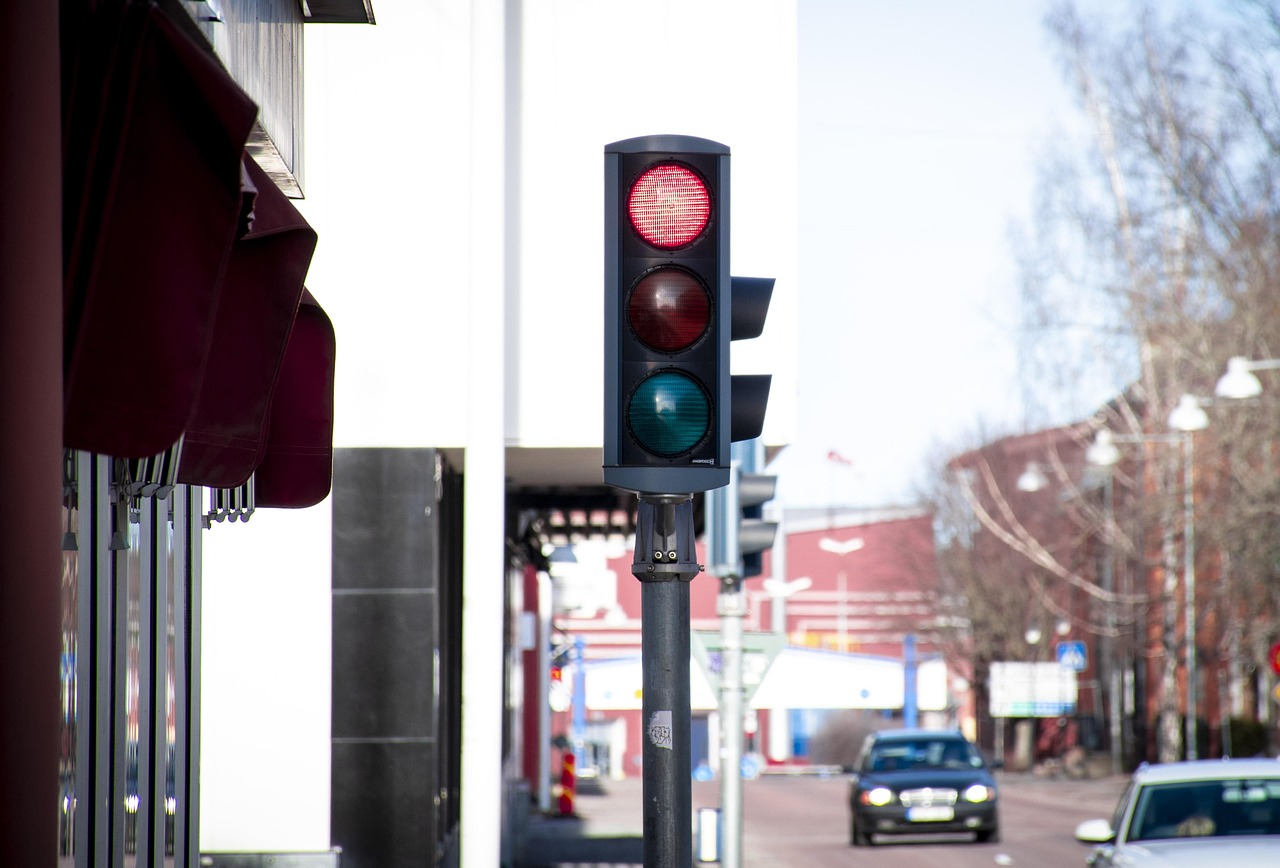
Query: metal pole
pixel 910 713
pixel 842 625
pixel 1189 553
pixel 732 609
pixel 1110 641
pixel 665 562
pixel 578 721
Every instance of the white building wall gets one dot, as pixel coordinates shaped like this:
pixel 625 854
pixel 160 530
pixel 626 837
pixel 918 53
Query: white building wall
pixel 388 191
pixel 390 180
pixel 598 71
pixel 265 676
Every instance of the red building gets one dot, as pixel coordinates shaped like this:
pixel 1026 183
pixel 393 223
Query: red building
pixel 849 587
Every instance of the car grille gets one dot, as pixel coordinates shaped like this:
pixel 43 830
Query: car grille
pixel 928 796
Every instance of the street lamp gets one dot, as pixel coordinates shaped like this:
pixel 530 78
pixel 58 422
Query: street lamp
pixel 1102 452
pixel 1239 381
pixel 1187 417
pixel 1032 479
pixel 841 548
pixel 780 590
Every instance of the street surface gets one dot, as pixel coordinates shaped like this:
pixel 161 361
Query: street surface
pixel 803 820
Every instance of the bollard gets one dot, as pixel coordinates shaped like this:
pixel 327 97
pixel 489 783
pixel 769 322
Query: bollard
pixel 708 835
pixel 568 784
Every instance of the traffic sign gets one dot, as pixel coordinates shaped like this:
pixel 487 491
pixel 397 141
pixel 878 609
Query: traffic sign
pixel 758 653
pixel 1073 656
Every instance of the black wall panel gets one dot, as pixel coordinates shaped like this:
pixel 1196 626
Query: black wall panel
pixel 393 745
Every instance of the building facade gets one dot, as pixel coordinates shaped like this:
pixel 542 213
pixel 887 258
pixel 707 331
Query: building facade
pixel 854 622
pixel 452 177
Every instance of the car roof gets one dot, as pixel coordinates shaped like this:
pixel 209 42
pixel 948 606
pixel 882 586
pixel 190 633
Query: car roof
pixel 1207 770
pixel 909 734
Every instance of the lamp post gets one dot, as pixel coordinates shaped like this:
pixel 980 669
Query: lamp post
pixel 1032 480
pixel 1187 417
pixel 1239 383
pixel 837 547
pixel 779 591
pixel 1113 675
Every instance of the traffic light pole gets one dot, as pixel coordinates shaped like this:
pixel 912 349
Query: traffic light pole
pixel 665 562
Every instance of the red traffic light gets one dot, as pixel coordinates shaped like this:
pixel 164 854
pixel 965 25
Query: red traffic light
pixel 669 206
pixel 669 309
pixel 667 414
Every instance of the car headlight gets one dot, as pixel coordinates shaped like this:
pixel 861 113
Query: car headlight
pixel 878 796
pixel 979 793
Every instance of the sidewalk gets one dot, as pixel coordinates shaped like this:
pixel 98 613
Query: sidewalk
pixel 607 828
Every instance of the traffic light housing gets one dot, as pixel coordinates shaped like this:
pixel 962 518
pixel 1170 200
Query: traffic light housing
pixel 671 408
pixel 737 533
pixel 755 534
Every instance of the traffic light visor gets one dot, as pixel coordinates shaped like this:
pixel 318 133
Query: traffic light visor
pixel 669 206
pixel 669 309
pixel 669 413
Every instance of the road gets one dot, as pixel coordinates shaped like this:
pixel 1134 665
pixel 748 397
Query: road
pixel 804 820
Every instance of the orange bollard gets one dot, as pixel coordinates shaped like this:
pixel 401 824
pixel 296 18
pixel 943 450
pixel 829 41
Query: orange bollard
pixel 568 784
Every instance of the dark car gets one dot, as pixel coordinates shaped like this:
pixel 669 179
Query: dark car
pixel 921 781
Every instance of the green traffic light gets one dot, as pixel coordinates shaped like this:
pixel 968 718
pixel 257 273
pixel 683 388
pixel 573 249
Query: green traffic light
pixel 669 413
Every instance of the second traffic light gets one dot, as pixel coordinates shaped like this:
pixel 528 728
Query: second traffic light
pixel 737 533
pixel 671 407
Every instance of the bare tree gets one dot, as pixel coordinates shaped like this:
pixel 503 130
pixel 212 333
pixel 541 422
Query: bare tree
pixel 1154 256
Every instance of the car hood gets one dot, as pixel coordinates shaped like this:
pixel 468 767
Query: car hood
pixel 917 778
pixel 1244 852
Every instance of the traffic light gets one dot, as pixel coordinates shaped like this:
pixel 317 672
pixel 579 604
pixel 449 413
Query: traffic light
pixel 671 408
pixel 755 535
pixel 737 533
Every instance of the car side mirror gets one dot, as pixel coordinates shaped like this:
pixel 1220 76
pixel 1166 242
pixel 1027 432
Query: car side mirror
pixel 1095 832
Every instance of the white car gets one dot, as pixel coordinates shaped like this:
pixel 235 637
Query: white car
pixel 1219 813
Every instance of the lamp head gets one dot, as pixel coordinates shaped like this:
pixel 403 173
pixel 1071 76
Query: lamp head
pixel 1238 382
pixel 1033 478
pixel 1103 452
pixel 1188 415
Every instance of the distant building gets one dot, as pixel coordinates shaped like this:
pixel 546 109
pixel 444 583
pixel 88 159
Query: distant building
pixel 863 584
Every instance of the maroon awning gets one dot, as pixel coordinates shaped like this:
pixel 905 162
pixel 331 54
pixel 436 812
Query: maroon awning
pixel 298 468
pixel 154 132
pixel 184 313
pixel 227 436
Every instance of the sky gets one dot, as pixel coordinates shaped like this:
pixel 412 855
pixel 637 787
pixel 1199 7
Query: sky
pixel 921 127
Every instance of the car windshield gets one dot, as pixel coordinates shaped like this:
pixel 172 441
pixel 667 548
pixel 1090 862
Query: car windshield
pixel 897 755
pixel 1206 808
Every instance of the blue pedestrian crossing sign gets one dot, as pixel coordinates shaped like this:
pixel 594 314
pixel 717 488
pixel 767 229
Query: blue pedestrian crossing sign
pixel 1073 656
